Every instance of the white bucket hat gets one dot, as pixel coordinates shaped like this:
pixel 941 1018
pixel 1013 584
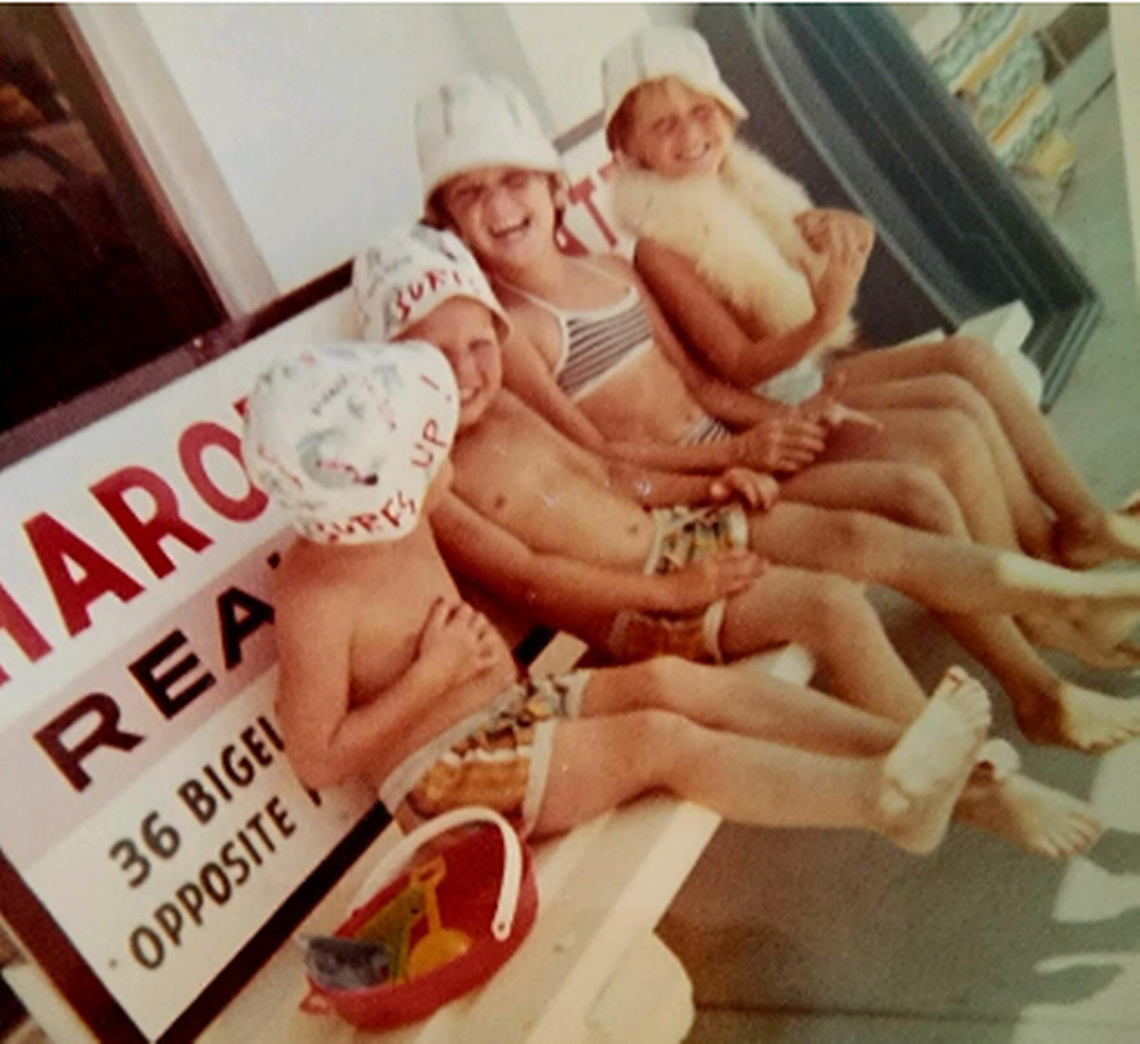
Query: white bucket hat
pixel 479 121
pixel 405 276
pixel 657 52
pixel 346 438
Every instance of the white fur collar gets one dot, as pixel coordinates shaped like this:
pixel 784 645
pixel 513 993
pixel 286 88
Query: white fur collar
pixel 738 228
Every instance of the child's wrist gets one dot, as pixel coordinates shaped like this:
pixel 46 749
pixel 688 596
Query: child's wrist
pixel 433 669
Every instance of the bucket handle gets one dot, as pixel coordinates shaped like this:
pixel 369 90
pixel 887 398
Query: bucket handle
pixel 394 861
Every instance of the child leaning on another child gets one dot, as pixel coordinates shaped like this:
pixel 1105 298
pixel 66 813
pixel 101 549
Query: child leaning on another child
pixel 593 353
pixel 540 521
pixel 760 283
pixel 387 674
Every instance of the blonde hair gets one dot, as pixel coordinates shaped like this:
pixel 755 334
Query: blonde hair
pixel 622 123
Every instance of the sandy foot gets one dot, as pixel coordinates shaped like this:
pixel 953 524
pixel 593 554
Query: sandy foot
pixel 925 773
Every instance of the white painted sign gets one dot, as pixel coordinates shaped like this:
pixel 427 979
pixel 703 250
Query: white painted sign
pixel 145 799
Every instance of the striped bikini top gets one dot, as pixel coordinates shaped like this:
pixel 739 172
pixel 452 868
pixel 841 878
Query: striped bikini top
pixel 598 342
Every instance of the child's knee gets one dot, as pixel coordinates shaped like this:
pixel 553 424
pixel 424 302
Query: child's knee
pixel 951 443
pixel 921 500
pixel 653 739
pixel 838 608
pixel 971 359
pixel 661 683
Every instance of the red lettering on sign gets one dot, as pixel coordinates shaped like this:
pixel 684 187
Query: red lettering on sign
pixel 14 620
pixel 191 446
pixel 165 522
pixel 55 545
pixel 404 308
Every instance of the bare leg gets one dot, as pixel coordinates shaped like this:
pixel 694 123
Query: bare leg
pixel 831 617
pixel 948 443
pixel 764 708
pixel 916 497
pixel 907 795
pixel 998 799
pixel 1031 521
pixel 905 493
pixel 938 571
pixel 1087 534
pixel 1048 709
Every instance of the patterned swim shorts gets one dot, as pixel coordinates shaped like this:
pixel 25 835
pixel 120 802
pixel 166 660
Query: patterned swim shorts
pixel 683 535
pixel 498 758
pixel 686 534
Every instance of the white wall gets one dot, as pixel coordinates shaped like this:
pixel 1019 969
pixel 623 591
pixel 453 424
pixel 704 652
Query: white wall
pixel 283 133
pixel 307 113
pixel 565 44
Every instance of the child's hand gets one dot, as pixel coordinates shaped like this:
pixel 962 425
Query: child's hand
pixel 459 640
pixel 696 586
pixel 836 232
pixel 755 489
pixel 834 414
pixel 786 443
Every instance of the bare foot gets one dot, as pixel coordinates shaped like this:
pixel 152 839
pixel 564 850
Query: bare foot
pixel 1080 719
pixel 1106 629
pixel 1084 543
pixel 1074 640
pixel 926 771
pixel 1034 817
pixel 995 761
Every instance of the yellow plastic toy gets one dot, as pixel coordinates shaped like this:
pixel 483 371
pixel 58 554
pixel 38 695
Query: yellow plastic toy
pixel 440 945
pixel 391 926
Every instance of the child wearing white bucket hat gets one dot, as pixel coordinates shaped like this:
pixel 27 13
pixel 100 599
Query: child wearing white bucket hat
pixel 387 674
pixel 758 281
pixel 482 121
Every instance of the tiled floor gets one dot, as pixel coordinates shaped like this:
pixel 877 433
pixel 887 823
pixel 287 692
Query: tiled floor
pixel 822 938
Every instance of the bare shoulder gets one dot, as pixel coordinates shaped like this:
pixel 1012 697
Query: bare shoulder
pixel 313 593
pixel 531 321
pixel 616 265
pixel 521 309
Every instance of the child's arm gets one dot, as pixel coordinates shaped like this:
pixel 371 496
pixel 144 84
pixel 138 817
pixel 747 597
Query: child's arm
pixel 328 740
pixel 652 488
pixel 574 594
pixel 713 330
pixel 784 442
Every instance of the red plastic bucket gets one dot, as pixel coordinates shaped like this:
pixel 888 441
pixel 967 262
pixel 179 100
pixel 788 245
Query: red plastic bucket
pixel 488 893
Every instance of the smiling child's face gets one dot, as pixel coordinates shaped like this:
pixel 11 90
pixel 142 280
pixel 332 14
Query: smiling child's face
pixel 465 332
pixel 506 215
pixel 676 131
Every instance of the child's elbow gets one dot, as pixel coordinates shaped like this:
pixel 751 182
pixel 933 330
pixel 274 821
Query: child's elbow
pixel 312 773
pixel 315 767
